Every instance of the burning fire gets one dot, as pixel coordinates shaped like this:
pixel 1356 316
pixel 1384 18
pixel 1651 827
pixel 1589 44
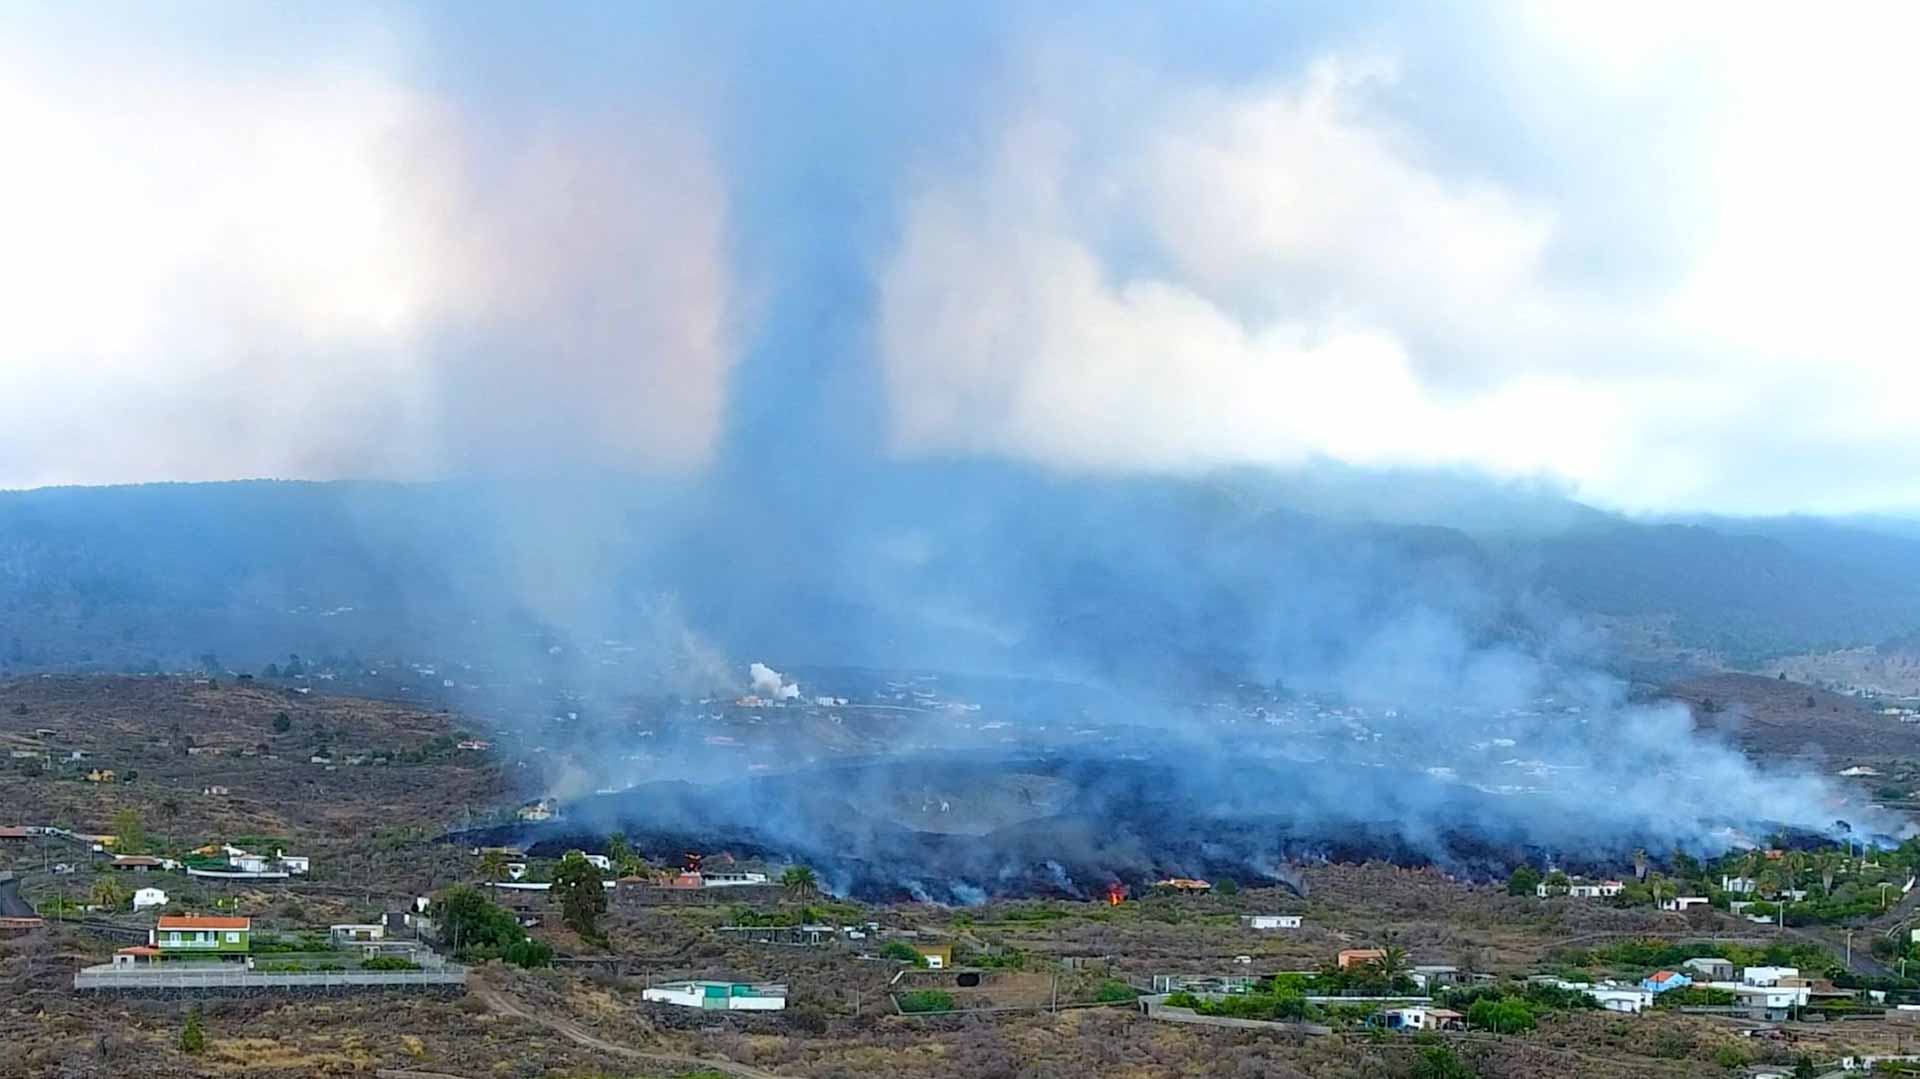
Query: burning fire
pixel 1116 894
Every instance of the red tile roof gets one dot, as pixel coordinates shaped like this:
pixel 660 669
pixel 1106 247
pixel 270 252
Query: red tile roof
pixel 197 921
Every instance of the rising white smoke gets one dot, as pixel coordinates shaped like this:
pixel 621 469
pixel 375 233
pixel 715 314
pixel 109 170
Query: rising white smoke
pixel 771 684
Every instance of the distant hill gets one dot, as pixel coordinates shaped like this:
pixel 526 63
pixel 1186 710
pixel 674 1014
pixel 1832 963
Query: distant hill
pixel 958 568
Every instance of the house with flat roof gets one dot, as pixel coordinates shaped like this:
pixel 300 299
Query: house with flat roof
pixel 719 996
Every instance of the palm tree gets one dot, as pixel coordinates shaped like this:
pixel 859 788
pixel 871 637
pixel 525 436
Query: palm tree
pixel 799 879
pixel 108 893
pixel 1640 865
pixel 1829 866
pixel 493 866
pixel 1392 962
pixel 1654 881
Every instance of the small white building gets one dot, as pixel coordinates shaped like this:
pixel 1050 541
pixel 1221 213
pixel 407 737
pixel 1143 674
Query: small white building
pixel 146 898
pixel 1685 902
pixel 1739 885
pixel 1273 921
pixel 338 935
pixel 730 880
pixel 601 862
pixel 719 996
pixel 1422 1017
pixel 1711 968
pixel 1625 999
pixel 1768 975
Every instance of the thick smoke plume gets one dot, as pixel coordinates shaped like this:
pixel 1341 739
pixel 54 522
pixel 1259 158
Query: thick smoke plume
pixel 771 684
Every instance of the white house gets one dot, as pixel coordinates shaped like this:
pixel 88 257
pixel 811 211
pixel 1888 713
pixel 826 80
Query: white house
pixel 143 898
pixel 1423 1018
pixel 601 862
pixel 1685 902
pixel 1273 921
pixel 1768 975
pixel 1626 999
pixel 730 880
pixel 1738 885
pixel 1773 1000
pixel 1582 888
pixel 719 996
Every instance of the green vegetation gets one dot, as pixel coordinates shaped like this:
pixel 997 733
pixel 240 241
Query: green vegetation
pixel 193 1036
pixel 799 879
pixel 129 835
pixel 529 953
pixel 1693 996
pixel 1113 990
pixel 1506 1016
pixel 925 1000
pixel 1439 1062
pixel 479 930
pixel 1647 954
pixel 389 962
pixel 577 886
pixel 109 893
pixel 901 950
pixel 1523 881
pixel 1278 1005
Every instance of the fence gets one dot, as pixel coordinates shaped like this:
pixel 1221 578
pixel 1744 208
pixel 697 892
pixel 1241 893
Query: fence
pixel 157 978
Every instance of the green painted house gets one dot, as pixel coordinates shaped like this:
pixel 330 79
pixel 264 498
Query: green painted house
pixel 193 934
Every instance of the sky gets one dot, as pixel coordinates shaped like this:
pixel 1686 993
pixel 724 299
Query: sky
pixel 1656 257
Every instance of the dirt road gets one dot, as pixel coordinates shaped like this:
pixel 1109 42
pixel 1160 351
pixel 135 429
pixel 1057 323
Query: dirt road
pixel 503 1004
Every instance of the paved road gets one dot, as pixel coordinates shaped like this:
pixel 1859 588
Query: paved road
pixel 11 905
pixel 506 1005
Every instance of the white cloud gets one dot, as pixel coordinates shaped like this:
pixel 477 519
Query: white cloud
pixel 323 270
pixel 1205 275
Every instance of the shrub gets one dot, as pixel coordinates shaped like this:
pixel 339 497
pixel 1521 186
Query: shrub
pixel 901 950
pixel 925 1000
pixel 1440 1062
pixel 529 953
pixel 1501 1016
pixel 1114 990
pixel 389 962
pixel 193 1036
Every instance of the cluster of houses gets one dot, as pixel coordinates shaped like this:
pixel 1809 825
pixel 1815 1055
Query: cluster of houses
pixel 228 862
pixel 1759 992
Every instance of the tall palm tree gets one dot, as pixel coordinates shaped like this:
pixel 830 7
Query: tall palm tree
pixel 1392 962
pixel 493 866
pixel 1829 865
pixel 799 879
pixel 1639 865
